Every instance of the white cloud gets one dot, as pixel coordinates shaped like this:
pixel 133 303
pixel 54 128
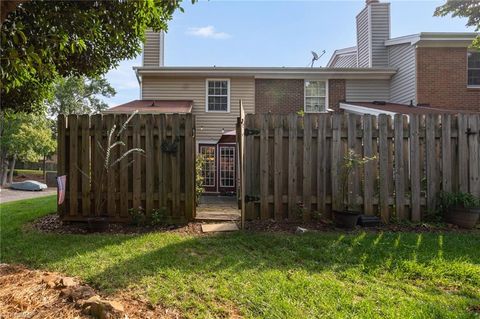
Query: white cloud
pixel 207 32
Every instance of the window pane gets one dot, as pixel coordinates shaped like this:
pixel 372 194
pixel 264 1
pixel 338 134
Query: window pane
pixel 217 99
pixel 314 104
pixel 474 77
pixel 474 60
pixel 314 88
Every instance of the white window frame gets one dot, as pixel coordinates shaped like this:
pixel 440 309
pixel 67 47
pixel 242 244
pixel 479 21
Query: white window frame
pixel 206 95
pixel 305 96
pixel 214 163
pixel 468 69
pixel 233 147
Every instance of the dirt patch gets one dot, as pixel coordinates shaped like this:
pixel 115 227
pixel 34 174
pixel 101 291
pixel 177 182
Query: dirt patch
pixel 53 224
pixel 26 293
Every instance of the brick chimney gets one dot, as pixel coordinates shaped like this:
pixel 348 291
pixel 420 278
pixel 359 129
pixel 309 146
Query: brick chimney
pixel 373 28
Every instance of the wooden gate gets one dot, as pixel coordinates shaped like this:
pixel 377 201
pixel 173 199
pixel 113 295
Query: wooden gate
pixel 162 178
pixel 292 165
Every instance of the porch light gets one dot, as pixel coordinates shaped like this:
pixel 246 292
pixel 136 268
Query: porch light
pixel 223 130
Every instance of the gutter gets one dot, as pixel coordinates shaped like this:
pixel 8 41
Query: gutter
pixel 272 72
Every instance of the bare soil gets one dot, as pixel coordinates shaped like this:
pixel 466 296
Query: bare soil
pixel 24 293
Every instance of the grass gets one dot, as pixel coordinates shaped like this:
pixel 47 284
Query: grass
pixel 330 275
pixel 29 172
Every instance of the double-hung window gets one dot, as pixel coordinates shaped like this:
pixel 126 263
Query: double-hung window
pixel 315 96
pixel 218 95
pixel 473 68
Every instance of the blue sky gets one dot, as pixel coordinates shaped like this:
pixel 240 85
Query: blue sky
pixel 271 33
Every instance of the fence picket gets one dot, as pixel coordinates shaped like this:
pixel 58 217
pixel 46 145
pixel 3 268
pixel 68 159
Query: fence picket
pixel 415 180
pixel 292 165
pixel 278 167
pixel 399 168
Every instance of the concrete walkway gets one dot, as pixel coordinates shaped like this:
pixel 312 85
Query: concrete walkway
pixel 218 208
pixel 10 195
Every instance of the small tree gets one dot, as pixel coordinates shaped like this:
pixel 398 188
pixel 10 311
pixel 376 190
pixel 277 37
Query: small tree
pixel 113 141
pixel 351 161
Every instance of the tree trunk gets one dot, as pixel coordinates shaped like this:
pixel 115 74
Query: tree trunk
pixel 12 168
pixel 45 168
pixel 3 176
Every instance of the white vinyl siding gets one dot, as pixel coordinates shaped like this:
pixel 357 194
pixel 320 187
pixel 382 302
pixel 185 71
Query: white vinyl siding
pixel 153 49
pixel 209 125
pixel 315 96
pixel 403 83
pixel 373 28
pixel 345 61
pixel 380 29
pixel 367 90
pixel 363 39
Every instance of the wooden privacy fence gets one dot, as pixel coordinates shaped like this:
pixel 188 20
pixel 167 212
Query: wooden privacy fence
pixel 292 164
pixel 161 178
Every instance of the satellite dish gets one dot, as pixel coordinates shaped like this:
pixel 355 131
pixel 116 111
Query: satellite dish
pixel 316 57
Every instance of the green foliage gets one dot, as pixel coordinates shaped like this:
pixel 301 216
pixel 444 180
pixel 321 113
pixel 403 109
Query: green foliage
pixel 41 40
pixel 138 216
pixel 79 95
pixel 160 217
pixel 466 200
pixel 199 189
pixel 469 9
pixel 27 136
pixel 351 161
pixel 261 275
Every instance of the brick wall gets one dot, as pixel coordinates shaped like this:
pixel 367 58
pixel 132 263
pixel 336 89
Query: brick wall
pixel 442 79
pixel 287 96
pixel 336 94
pixel 278 96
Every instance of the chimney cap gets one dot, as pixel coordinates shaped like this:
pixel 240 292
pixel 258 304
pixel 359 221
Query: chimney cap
pixel 369 2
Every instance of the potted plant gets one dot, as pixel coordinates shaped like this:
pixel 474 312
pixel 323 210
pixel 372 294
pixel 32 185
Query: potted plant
pixel 461 209
pixel 347 217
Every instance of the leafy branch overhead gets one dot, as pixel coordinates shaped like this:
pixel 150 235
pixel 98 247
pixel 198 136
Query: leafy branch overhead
pixel 469 9
pixel 41 40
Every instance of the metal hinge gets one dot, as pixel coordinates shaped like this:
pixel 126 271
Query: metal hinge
pixel 251 131
pixel 249 198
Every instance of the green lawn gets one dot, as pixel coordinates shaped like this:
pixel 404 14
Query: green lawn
pixel 330 275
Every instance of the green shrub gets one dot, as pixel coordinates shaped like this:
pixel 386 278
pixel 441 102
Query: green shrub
pixel 138 216
pixel 160 217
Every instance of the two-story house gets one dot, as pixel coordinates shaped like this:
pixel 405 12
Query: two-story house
pixel 433 72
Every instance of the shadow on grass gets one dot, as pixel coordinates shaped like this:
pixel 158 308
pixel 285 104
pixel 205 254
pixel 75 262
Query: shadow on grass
pixel 312 253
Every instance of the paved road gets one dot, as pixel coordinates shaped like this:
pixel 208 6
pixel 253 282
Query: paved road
pixel 10 195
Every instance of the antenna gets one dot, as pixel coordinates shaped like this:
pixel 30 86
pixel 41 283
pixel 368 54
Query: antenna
pixel 316 57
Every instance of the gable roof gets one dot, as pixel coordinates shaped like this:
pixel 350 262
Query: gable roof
pixel 344 58
pixel 153 106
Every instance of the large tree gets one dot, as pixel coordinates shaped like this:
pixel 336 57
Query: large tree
pixel 469 9
pixel 43 39
pixel 25 137
pixel 79 95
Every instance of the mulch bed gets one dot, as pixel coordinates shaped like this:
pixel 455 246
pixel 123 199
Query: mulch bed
pixel 53 224
pixel 26 293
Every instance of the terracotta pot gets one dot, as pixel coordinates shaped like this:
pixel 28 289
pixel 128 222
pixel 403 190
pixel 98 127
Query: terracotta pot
pixel 462 217
pixel 346 219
